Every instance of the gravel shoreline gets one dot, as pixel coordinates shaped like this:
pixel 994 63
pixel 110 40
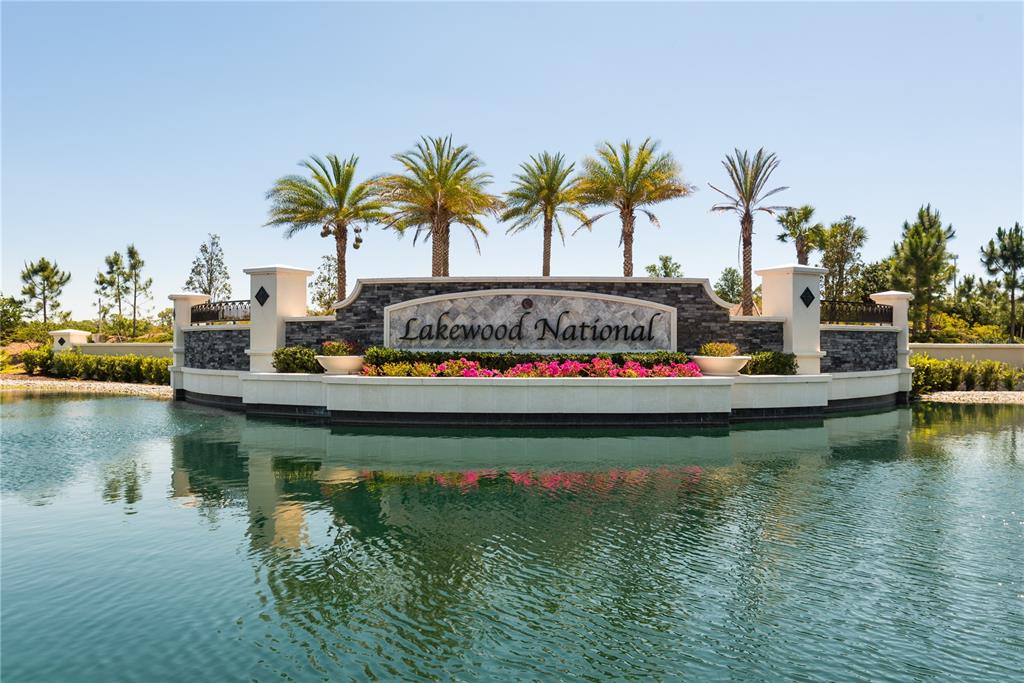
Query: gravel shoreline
pixel 53 385
pixel 1002 397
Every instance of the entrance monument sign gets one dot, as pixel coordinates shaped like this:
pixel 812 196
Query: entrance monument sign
pixel 530 320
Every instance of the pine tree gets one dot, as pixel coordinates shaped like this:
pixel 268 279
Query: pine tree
pixel 44 282
pixel 1005 256
pixel 11 313
pixel 139 287
pixel 923 263
pixel 112 284
pixel 209 275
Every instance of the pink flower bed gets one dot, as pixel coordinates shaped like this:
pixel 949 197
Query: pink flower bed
pixel 598 367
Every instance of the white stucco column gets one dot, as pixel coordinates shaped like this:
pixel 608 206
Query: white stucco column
pixel 793 292
pixel 68 340
pixel 183 304
pixel 275 293
pixel 900 302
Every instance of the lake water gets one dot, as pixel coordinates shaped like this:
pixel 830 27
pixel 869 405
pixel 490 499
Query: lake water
pixel 149 541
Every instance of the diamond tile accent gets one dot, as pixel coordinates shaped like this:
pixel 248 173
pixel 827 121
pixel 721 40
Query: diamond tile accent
pixel 262 296
pixel 807 297
pixel 61 342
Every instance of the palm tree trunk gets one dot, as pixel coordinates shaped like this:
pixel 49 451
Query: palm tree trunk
pixel 747 233
pixel 801 251
pixel 446 249
pixel 437 249
pixel 546 268
pixel 627 244
pixel 341 249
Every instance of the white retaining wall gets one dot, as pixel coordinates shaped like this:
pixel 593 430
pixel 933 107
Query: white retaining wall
pixel 1004 353
pixel 155 350
pixel 587 395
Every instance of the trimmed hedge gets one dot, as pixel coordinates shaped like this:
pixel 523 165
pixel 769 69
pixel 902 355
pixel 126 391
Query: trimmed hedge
pixel 296 359
pixel 378 356
pixel 77 365
pixel 37 361
pixel 932 374
pixel 770 363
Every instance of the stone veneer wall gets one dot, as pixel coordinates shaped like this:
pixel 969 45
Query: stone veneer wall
pixel 856 351
pixel 217 350
pixel 699 318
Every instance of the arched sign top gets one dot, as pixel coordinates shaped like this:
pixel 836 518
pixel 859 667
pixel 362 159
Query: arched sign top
pixel 530 320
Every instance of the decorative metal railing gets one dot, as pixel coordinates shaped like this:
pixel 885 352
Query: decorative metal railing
pixel 855 312
pixel 221 312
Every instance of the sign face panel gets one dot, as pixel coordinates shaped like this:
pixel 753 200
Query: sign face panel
pixel 530 320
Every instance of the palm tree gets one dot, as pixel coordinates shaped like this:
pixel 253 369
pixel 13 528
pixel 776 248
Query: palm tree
pixel 629 179
pixel 796 226
pixel 749 177
pixel 442 185
pixel 328 199
pixel 542 190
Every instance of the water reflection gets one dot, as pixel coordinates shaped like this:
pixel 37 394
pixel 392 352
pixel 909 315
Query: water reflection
pixel 635 555
pixel 373 481
pixel 872 547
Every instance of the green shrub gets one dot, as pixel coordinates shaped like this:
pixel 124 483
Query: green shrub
pixel 296 359
pixel 37 361
pixel 988 374
pixel 719 349
pixel 339 348
pixel 930 374
pixel 5 360
pixel 402 369
pixel 970 376
pixel 988 334
pixel 128 368
pixel 375 357
pixel 956 374
pixel 770 363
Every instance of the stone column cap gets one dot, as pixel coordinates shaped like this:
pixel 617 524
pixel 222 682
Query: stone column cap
pixel 68 331
pixel 906 296
pixel 794 268
pixel 275 269
pixel 189 296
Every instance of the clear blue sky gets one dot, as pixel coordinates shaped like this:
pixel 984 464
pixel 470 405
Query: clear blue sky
pixel 159 123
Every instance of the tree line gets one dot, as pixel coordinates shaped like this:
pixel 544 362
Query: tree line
pixel 441 185
pixel 122 292
pixel 921 262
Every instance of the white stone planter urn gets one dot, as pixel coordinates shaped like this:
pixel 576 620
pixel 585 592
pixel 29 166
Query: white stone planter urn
pixel 720 366
pixel 341 365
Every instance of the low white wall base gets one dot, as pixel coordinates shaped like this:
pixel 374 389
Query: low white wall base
pixel 856 385
pixel 538 401
pixel 213 383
